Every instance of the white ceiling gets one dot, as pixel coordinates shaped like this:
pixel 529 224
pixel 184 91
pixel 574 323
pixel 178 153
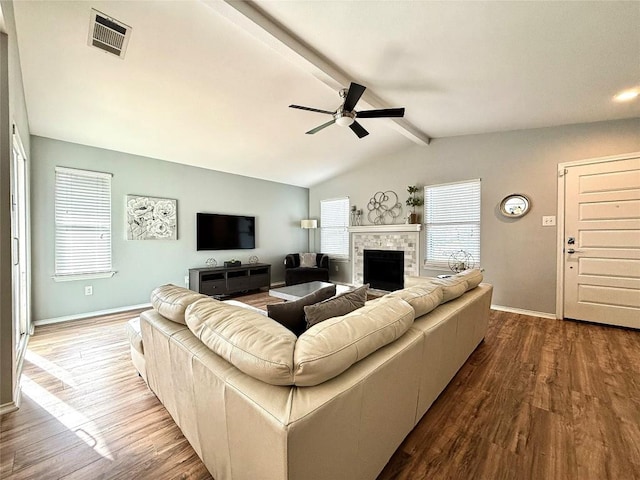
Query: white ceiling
pixel 201 84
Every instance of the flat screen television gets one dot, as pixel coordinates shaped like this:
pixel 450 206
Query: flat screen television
pixel 225 232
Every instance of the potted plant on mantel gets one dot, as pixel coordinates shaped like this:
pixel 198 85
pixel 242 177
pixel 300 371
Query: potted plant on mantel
pixel 413 201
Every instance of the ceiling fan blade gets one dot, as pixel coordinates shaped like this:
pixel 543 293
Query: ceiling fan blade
pixel 353 95
pixel 325 125
pixel 300 107
pixel 385 112
pixel 358 130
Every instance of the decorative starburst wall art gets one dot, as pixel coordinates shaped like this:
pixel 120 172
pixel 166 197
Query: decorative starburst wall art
pixel 150 218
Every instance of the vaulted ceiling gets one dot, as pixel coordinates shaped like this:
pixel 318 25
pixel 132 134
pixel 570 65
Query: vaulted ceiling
pixel 208 83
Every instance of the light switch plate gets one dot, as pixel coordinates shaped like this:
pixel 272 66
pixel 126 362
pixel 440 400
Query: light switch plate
pixel 548 220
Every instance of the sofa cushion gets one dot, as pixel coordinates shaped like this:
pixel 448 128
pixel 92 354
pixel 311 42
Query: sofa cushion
pixel 331 347
pixel 334 307
pixel 308 260
pixel 171 301
pixel 245 305
pixel 295 276
pixel 473 276
pixel 291 314
pixel 452 287
pixel 423 297
pixel 253 343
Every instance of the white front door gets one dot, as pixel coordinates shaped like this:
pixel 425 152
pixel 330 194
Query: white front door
pixel 602 242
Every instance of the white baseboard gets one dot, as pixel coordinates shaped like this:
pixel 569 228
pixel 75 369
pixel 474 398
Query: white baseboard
pixel 521 311
pixel 8 408
pixel 82 316
pixel 11 406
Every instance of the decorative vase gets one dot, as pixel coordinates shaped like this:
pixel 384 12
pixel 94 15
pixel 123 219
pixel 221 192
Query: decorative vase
pixel 413 218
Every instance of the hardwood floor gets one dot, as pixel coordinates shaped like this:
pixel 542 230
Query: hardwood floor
pixel 539 399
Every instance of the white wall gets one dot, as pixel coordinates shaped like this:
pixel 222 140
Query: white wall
pixel 143 265
pixel 519 255
pixel 12 110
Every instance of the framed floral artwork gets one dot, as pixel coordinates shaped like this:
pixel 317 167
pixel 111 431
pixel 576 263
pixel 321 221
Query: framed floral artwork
pixel 150 218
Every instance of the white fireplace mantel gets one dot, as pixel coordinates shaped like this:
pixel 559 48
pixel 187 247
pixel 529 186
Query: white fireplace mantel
pixel 400 227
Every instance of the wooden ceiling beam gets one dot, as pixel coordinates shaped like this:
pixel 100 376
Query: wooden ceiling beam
pixel 258 23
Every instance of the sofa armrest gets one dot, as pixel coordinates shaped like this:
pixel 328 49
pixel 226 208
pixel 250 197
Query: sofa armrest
pixel 322 260
pixel 290 261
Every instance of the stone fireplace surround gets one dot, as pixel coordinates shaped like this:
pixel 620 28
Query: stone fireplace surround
pixel 405 237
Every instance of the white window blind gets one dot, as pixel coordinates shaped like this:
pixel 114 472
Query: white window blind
pixel 334 227
pixel 83 222
pixel 452 221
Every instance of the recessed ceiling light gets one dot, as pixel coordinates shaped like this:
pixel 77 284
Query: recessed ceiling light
pixel 626 95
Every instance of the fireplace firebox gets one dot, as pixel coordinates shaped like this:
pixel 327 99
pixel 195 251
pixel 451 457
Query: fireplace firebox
pixel 384 269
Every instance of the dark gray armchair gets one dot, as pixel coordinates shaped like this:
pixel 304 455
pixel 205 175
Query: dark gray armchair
pixel 295 274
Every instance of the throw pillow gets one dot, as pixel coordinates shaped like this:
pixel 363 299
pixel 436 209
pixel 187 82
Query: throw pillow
pixel 308 260
pixel 291 314
pixel 335 307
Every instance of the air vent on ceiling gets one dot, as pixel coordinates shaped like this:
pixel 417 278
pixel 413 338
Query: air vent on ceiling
pixel 108 34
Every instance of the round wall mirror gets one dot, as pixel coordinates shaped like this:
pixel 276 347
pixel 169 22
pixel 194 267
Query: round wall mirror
pixel 515 205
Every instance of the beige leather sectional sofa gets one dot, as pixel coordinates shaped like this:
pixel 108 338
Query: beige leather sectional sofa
pixel 257 402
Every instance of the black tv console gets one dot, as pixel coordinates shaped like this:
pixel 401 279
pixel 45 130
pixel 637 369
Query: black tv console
pixel 216 281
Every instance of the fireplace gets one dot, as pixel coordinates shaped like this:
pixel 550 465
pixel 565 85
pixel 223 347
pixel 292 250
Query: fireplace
pixel 395 237
pixel 384 269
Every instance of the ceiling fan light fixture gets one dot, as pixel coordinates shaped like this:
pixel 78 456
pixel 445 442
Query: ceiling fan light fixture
pixel 345 119
pixel 345 115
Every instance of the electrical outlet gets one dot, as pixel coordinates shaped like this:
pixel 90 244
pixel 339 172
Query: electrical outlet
pixel 548 220
pixel 88 290
pixel 336 267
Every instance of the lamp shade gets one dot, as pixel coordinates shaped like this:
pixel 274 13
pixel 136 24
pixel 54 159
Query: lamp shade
pixel 309 223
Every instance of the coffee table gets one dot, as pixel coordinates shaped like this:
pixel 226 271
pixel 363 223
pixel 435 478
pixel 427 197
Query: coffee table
pixel 296 292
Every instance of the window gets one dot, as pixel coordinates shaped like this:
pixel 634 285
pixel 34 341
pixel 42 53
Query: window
pixel 452 218
pixel 334 227
pixel 83 224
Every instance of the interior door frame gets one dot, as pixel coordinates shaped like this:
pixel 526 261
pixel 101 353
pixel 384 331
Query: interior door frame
pixel 25 212
pixel 560 223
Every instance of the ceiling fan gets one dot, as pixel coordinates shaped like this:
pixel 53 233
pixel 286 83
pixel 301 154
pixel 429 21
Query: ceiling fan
pixel 345 115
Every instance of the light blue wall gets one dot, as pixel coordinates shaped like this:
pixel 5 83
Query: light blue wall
pixel 519 255
pixel 143 265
